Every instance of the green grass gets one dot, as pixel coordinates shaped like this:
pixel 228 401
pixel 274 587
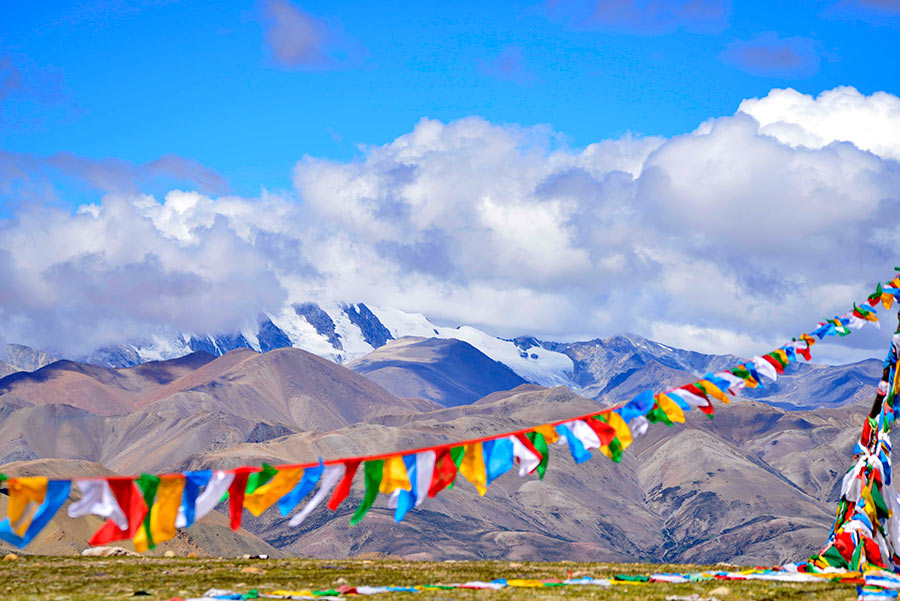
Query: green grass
pixel 90 579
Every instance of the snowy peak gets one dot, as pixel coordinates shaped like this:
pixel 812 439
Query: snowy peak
pixel 343 333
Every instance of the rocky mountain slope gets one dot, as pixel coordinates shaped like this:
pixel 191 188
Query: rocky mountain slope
pixel 448 372
pixel 146 417
pixel 756 485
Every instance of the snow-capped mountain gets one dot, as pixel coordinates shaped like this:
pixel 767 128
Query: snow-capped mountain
pixel 344 332
pixel 608 370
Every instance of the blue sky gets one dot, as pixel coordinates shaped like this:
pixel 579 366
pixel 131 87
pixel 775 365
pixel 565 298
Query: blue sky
pixel 201 80
pixel 709 174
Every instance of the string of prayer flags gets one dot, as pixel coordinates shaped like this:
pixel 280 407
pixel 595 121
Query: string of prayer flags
pixel 149 508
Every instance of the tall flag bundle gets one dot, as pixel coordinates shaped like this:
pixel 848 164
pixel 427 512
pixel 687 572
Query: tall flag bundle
pixel 148 509
pixel 866 529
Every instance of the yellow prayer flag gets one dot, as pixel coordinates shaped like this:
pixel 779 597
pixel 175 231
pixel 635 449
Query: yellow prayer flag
pixel 394 476
pixel 714 391
pixel 22 492
pixel 268 494
pixel 670 408
pixel 163 513
pixel 887 300
pixel 472 467
pixel 548 432
pixel 623 433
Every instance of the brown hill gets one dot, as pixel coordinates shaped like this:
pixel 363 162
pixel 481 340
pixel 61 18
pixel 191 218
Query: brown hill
pixel 100 390
pixel 447 371
pixel 183 407
pixel 287 386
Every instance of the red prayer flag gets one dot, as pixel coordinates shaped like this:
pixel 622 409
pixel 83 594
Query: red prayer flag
pixel 343 487
pixel 776 364
pixel 604 431
pixel 236 494
pixel 132 504
pixel 444 471
pixel 708 408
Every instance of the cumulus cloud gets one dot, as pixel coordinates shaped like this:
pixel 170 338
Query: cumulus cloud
pixel 643 16
pixel 843 114
pixel 769 55
pixel 727 238
pixel 115 272
pixel 300 40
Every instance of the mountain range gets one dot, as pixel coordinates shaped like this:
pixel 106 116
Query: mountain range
pixel 349 334
pixel 756 485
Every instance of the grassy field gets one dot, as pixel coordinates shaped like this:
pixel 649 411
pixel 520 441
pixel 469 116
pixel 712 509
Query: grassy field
pixel 60 578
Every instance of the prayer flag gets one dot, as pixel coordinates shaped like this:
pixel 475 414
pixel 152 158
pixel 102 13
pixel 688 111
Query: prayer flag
pixel 217 486
pixel 419 469
pixel 311 476
pixel 498 455
pixel 236 493
pixel 43 496
pixel 263 497
pixel 162 513
pixel 97 499
pixel 329 478
pixel 444 471
pixel 540 445
pixel 343 487
pixel 193 482
pixel 472 467
pixel 579 453
pixel 132 504
pixel 394 476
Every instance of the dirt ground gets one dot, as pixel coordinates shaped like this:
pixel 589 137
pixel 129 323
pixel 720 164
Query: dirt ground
pixel 77 579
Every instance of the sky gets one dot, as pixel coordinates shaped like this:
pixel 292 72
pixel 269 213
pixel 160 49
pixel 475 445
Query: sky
pixel 714 175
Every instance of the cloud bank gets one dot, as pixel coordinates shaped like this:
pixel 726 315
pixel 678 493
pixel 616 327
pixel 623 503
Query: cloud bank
pixel 727 239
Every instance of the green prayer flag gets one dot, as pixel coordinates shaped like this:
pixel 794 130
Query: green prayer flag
pixel 834 558
pixel 456 454
pixel 741 372
pixel 257 479
pixel 540 445
pixel 658 415
pixel 615 449
pixel 880 506
pixel 373 471
pixel 631 578
pixel 857 554
pixel 148 483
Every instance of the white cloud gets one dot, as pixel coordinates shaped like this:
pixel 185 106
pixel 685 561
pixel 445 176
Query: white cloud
pixel 729 238
pixel 840 115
